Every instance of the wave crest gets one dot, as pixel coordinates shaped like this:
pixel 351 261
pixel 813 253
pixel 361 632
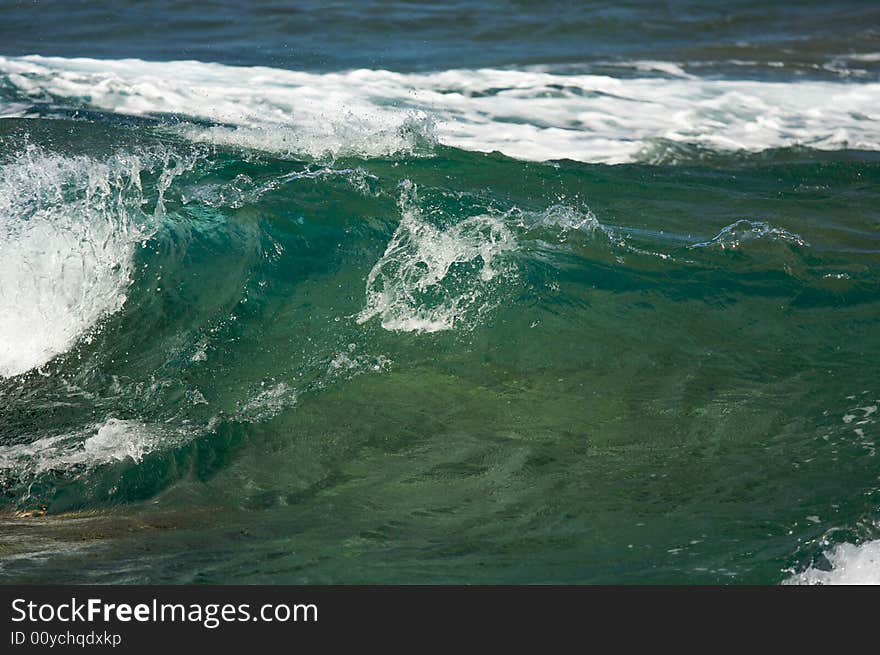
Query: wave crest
pixel 742 232
pixel 430 278
pixel 530 114
pixel 68 234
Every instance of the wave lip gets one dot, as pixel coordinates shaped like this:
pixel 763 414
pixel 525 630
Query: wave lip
pixel 67 239
pixel 533 114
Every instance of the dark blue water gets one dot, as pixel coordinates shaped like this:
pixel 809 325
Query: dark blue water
pixel 410 36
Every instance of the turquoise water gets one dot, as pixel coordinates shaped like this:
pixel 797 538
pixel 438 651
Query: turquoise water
pixel 561 318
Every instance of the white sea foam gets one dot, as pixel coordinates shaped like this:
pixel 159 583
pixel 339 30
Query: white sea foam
pixel 110 441
pixel 269 402
pixel 430 278
pixel 850 565
pixel 67 236
pixel 531 114
pixel 744 231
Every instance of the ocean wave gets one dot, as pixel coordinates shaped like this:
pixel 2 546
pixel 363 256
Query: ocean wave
pixel 530 114
pixel 69 230
pixel 430 278
pixel 267 403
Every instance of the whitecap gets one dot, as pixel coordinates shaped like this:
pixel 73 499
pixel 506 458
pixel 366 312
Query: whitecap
pixel 432 278
pixel 744 231
pixel 530 114
pixel 68 231
pixel 850 565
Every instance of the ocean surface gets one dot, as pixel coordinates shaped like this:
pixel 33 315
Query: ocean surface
pixel 419 292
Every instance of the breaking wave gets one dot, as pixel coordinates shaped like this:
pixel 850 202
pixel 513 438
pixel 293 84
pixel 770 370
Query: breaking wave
pixel 69 230
pixel 534 114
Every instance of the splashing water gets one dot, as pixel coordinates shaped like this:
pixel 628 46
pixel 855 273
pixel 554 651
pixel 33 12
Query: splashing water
pixel 68 231
pixel 429 278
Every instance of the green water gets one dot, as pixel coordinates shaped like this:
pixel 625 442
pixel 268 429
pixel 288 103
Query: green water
pixel 322 373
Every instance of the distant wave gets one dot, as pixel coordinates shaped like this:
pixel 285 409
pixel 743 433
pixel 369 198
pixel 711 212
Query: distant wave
pixel 530 114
